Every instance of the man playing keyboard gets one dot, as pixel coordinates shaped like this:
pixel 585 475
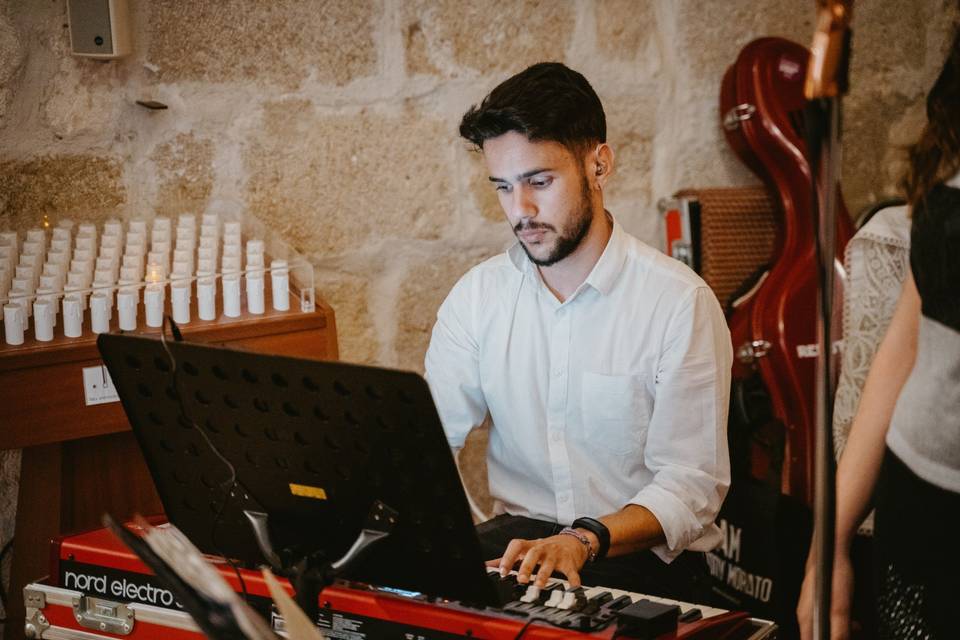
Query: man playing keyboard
pixel 603 365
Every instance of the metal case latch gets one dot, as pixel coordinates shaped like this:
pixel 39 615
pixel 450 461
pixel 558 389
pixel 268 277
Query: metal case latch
pixel 35 622
pixel 103 615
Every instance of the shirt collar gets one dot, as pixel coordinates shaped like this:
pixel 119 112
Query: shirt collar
pixel 604 273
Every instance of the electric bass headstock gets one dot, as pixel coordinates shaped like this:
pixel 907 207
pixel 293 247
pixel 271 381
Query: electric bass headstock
pixel 827 72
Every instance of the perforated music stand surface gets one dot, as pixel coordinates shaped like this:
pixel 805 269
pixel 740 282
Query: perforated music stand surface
pixel 350 434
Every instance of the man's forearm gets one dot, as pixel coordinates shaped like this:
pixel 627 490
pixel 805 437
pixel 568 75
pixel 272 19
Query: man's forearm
pixel 633 528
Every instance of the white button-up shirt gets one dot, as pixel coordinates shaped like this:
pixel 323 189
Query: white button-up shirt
pixel 616 396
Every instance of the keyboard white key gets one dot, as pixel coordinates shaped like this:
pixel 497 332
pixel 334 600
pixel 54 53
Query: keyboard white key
pixel 533 592
pixel 568 600
pixel 555 598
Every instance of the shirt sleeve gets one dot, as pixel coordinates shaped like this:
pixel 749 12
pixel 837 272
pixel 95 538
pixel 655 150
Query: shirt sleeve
pixel 452 366
pixel 687 436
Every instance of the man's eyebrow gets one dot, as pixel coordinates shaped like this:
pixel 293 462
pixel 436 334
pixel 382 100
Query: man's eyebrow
pixel 522 176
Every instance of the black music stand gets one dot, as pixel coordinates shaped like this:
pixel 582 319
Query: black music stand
pixel 314 445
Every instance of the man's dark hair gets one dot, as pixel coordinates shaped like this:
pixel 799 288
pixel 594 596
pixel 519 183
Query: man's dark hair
pixel 548 101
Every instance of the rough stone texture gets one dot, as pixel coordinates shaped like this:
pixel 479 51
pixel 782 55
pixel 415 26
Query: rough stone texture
pixel 9 486
pixel 424 287
pixel 77 186
pixel 334 182
pixel 85 97
pixel 623 27
pixel 485 36
pixel 710 35
pixel 185 172
pixel 484 196
pixel 279 42
pixel 631 127
pixel 349 296
pixel 418 57
pixel 872 160
pixel 11 60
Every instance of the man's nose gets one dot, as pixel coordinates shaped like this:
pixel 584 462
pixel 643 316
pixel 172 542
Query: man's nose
pixel 523 204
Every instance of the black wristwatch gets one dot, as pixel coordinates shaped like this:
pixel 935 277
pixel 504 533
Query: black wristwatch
pixel 598 529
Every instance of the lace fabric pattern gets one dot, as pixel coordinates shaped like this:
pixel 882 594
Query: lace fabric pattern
pixel 877 259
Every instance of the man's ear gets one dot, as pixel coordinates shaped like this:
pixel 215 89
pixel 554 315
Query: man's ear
pixel 602 164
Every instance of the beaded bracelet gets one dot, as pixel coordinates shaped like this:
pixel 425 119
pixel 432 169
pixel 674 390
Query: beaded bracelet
pixel 584 540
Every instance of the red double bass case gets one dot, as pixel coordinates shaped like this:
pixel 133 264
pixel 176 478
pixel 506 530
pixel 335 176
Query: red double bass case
pixel 773 326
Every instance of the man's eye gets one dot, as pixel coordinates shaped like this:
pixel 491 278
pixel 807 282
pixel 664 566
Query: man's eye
pixel 541 182
pixel 503 188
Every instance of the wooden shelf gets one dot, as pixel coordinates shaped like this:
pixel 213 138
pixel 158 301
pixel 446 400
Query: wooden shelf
pixel 82 461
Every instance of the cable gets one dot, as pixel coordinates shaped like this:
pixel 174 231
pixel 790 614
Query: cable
pixel 600 626
pixel 228 486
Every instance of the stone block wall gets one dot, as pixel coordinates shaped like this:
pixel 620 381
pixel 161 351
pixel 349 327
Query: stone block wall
pixel 335 122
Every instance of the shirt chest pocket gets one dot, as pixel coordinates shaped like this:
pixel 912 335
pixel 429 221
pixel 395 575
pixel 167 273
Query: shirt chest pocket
pixel 615 412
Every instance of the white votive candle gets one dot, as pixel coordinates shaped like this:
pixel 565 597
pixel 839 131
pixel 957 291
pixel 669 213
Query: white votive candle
pixel 60 234
pixel 136 239
pixel 231 228
pixel 50 295
pixel 72 316
pixel 127 308
pixel 10 238
pixel 32 248
pixel 280 285
pixel 13 322
pixel 207 253
pixel 99 313
pixel 112 227
pixel 75 291
pixel 207 298
pixel 23 300
pixel 207 265
pixel 36 235
pixel 157 263
pixel 87 229
pixel 108 242
pixel 50 281
pixel 137 225
pixel 153 304
pixel 134 262
pixel 209 242
pixel 87 243
pixel 180 301
pixel 254 247
pixel 231 294
pixel 232 240
pixel 255 302
pixel 231 264
pixel 161 223
pixel 43 319
pixel 22 284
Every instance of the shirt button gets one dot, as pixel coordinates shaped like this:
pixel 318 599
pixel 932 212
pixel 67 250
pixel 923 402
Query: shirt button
pixel 562 498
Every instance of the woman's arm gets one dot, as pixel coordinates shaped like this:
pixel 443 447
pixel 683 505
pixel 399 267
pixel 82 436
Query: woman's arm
pixel 860 462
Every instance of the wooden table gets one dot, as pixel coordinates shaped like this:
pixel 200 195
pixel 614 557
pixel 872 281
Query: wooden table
pixel 82 461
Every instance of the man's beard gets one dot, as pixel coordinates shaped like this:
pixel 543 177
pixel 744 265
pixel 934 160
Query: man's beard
pixel 567 240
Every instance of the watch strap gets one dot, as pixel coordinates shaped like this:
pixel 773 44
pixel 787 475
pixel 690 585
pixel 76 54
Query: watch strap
pixel 598 529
